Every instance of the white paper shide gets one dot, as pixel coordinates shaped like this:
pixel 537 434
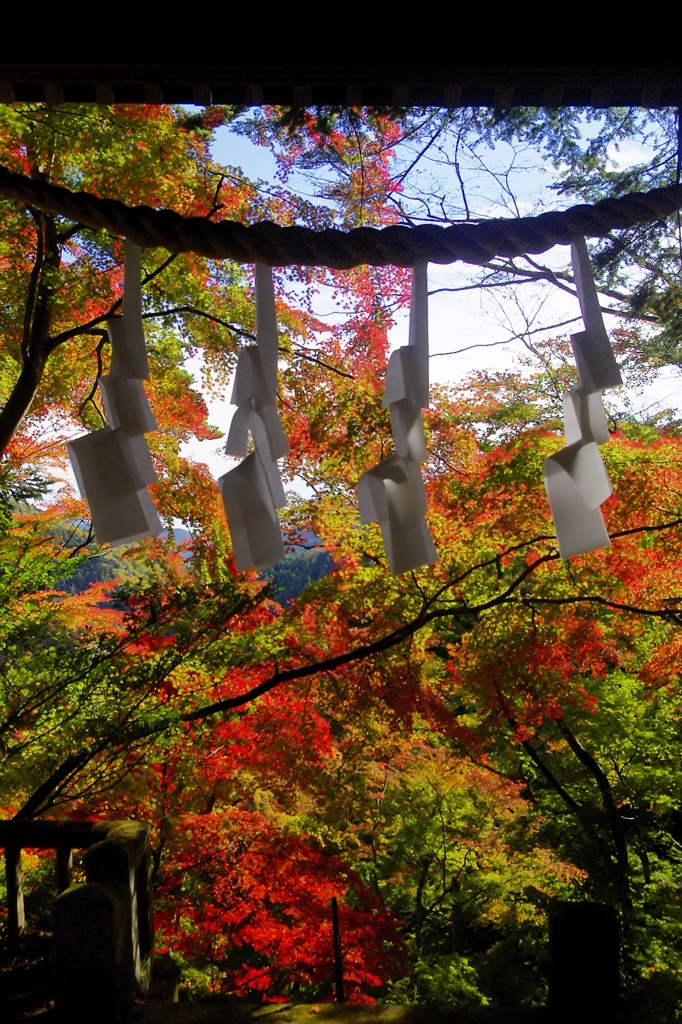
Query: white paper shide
pixel 576 479
pixel 113 466
pixel 253 491
pixel 392 494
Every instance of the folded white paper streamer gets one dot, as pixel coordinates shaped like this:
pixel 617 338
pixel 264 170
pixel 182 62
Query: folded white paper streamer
pixel 251 515
pixel 575 478
pixel 578 528
pixel 597 367
pixel 252 379
pixel 126 404
pixel 407 374
pixel 255 398
pixel 393 493
pixel 112 469
pixel 136 450
pixel 584 417
pixel 253 491
pixel 402 382
pixel 128 349
pixel 577 483
pixel 113 466
pixel 407 428
pixel 594 356
pixel 584 465
pixel 407 547
pixel 419 334
pixel 395 483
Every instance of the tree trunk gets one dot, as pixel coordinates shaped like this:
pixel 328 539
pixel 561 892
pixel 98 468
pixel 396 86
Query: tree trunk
pixel 609 805
pixel 19 402
pixel 36 344
pixel 421 912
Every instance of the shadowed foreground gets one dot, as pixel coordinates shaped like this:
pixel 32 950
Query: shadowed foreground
pixel 222 1013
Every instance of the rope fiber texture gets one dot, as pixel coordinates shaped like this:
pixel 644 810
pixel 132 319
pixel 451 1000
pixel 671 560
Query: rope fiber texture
pixel 269 243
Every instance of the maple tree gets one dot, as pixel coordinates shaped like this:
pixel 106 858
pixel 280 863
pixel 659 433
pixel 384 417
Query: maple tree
pixel 447 751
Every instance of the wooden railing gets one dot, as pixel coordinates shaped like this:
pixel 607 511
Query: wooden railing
pixel 103 928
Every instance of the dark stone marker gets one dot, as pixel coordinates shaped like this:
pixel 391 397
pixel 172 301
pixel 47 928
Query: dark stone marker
pixel 584 975
pixel 15 891
pixel 93 978
pixel 64 868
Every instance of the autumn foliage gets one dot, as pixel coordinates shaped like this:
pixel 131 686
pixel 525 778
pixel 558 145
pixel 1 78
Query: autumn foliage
pixel 446 752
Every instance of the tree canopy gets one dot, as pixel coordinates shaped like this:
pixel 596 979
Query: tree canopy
pixel 446 752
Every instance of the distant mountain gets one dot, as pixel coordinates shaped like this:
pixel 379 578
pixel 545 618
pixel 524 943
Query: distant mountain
pixel 296 572
pixel 290 577
pixel 108 565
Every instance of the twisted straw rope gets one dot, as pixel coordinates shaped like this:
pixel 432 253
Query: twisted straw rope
pixel 269 243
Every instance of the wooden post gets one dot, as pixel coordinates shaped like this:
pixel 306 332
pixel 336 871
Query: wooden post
pixel 64 868
pixel 338 961
pixel 15 891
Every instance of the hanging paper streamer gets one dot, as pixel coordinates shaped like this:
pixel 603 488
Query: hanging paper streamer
pixel 584 417
pixel 126 333
pixel 251 513
pixel 126 404
pixel 393 493
pixel 253 491
pixel 113 466
pixel 578 528
pixel 576 480
pixel 584 466
pixel 594 356
pixel 113 478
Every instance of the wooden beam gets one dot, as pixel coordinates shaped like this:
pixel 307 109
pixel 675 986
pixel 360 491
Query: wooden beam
pixel 49 835
pixel 41 64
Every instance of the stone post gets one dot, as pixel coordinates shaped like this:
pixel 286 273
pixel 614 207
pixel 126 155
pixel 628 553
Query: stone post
pixel 584 979
pixel 93 980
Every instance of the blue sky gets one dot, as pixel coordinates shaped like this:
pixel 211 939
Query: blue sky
pixel 475 325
